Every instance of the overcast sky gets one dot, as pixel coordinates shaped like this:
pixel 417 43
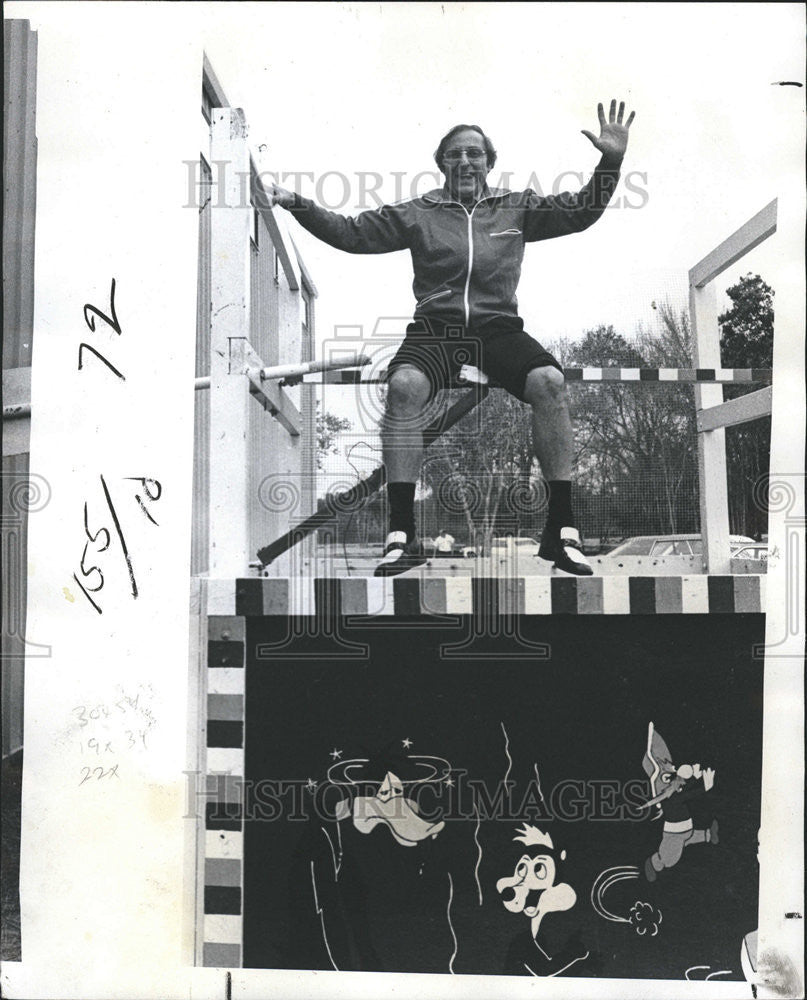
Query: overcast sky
pixel 371 88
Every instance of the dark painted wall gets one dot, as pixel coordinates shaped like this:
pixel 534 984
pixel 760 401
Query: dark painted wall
pixel 580 716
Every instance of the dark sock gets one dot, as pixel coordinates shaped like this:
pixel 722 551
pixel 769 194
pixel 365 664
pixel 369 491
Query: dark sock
pixel 402 508
pixel 559 514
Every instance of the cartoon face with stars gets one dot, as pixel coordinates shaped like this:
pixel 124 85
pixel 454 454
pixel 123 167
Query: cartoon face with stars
pixel 389 806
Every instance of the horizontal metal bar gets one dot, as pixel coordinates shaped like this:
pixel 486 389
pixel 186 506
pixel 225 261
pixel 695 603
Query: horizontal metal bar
pixel 352 360
pixel 291 374
pixel 346 373
pixel 757 229
pixel 736 411
pixel 646 376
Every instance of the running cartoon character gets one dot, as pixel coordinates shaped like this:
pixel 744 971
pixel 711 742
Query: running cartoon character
pixel 672 789
pixel 532 889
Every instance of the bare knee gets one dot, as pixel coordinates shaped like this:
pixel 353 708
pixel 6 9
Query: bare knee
pixel 545 385
pixel 408 391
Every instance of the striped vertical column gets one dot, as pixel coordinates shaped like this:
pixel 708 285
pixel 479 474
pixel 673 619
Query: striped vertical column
pixel 224 773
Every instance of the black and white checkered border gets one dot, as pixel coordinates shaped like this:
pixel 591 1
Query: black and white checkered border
pixel 526 595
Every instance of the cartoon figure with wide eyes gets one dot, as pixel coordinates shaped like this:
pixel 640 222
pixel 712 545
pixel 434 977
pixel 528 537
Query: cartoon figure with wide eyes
pixel 673 788
pixel 532 889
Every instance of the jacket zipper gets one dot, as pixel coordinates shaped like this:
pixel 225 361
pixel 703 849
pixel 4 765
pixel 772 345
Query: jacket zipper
pixel 466 296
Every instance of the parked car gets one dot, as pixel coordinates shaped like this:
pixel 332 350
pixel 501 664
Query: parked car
pixel 517 546
pixel 502 546
pixel 671 545
pixel 757 550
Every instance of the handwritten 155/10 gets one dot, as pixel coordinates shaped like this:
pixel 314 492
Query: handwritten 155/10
pixel 99 540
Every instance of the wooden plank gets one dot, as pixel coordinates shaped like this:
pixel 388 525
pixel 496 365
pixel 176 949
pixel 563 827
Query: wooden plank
pixel 757 229
pixel 305 274
pixel 270 395
pixel 277 229
pixel 736 411
pixel 213 95
pixel 277 404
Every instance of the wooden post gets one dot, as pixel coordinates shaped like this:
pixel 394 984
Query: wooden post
pixel 231 221
pixel 712 472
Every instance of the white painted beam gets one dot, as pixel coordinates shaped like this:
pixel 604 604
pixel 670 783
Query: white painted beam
pixel 749 235
pixel 736 411
pixel 231 225
pixel 712 474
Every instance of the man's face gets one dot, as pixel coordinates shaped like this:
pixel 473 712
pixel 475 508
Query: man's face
pixel 465 165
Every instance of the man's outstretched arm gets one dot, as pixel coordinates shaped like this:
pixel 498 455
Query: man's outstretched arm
pixel 382 230
pixel 559 215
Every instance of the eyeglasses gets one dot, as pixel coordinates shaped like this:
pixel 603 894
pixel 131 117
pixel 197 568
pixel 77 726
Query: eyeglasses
pixel 473 153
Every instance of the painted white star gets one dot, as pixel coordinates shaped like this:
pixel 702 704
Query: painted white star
pixel 406 743
pixel 336 754
pixel 311 784
pixel 449 782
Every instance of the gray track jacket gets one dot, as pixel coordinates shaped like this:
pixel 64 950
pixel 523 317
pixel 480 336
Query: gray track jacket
pixel 467 262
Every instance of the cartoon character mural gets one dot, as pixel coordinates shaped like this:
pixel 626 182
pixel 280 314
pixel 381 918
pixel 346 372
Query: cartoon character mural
pixel 535 890
pixel 386 876
pixel 389 807
pixel 673 787
pixel 644 917
pixel 371 887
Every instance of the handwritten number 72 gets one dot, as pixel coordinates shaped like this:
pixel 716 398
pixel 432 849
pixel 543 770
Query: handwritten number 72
pixel 90 314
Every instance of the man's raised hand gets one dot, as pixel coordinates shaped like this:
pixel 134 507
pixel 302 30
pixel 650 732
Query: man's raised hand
pixel 279 196
pixel 613 138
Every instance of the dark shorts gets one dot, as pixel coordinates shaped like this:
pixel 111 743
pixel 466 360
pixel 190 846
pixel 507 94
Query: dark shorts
pixel 504 352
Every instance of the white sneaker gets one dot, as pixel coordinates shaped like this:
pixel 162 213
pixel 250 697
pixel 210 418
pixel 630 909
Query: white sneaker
pixel 565 550
pixel 399 556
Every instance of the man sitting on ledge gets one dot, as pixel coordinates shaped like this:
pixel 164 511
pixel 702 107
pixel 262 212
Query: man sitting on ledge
pixel 467 244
